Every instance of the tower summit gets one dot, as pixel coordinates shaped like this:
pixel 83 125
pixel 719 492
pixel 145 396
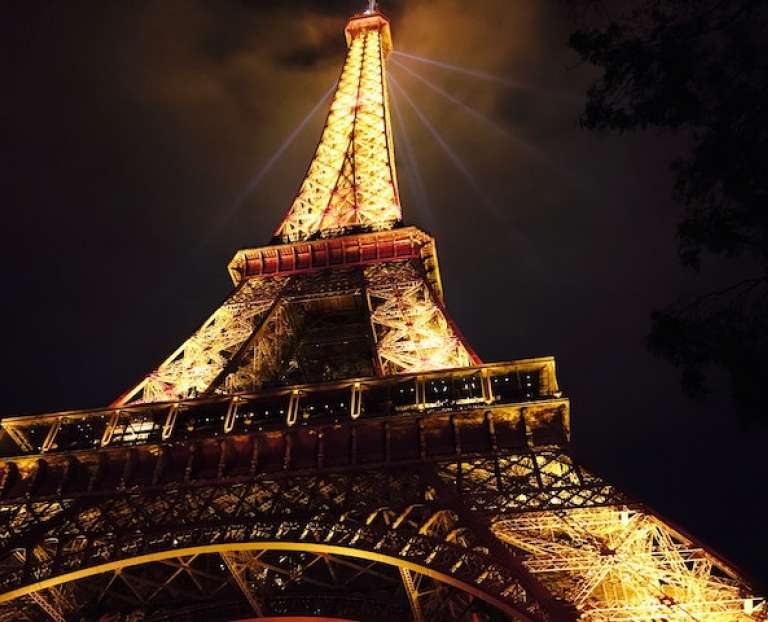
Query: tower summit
pixel 351 183
pixel 328 445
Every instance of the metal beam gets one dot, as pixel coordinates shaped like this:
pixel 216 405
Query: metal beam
pixel 413 594
pixel 237 570
pixel 52 612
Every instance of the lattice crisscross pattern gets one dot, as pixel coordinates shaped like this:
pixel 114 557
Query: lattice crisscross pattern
pixel 351 180
pixel 412 331
pixel 393 513
pixel 523 482
pixel 191 369
pixel 616 564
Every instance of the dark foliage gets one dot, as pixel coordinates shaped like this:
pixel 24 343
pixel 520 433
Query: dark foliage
pixel 726 329
pixel 698 67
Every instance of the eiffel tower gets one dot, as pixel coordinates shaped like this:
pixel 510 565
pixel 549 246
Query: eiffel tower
pixel 327 445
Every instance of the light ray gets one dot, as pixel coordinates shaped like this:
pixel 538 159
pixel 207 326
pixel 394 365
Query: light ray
pixel 489 77
pixel 486 120
pixel 256 180
pixel 452 156
pixel 240 199
pixel 527 250
pixel 405 140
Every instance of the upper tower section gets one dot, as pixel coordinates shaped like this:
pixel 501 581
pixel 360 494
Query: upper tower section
pixel 351 184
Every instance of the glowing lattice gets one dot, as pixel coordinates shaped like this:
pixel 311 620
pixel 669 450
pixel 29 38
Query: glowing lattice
pixel 617 564
pixel 412 331
pixel 261 357
pixel 191 369
pixel 351 180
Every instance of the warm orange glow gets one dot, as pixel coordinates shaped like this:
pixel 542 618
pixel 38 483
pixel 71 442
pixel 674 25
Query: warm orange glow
pixel 619 564
pixel 412 332
pixel 192 367
pixel 351 180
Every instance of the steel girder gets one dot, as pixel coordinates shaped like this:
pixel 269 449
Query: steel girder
pixel 569 534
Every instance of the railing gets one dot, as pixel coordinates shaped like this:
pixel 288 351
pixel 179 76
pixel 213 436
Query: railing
pixel 468 388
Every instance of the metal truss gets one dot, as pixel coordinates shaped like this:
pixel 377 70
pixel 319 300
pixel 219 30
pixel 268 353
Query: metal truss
pixel 191 369
pixel 53 611
pixel 247 584
pixel 288 544
pixel 245 342
pixel 259 359
pixel 351 181
pixel 395 518
pixel 412 330
pixel 527 481
pixel 339 253
pixel 239 563
pixel 57 601
pixel 365 590
pixel 621 563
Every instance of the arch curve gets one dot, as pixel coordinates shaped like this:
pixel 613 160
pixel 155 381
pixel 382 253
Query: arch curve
pixel 342 515
pixel 449 579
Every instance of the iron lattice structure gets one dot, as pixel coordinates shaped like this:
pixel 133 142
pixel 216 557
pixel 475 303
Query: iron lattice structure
pixel 351 181
pixel 328 444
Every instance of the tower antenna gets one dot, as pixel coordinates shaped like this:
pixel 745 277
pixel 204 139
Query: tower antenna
pixel 371 6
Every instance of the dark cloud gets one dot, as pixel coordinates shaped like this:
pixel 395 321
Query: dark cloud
pixel 130 129
pixel 306 56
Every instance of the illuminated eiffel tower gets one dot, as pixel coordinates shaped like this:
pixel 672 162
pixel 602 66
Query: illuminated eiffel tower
pixel 328 445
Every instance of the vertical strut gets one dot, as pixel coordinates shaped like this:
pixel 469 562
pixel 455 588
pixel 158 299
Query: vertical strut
pixel 237 570
pixel 412 592
pixel 52 612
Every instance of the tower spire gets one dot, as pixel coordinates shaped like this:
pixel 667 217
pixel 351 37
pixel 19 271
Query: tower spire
pixel 351 183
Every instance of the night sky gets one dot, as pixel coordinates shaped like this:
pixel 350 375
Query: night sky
pixel 131 133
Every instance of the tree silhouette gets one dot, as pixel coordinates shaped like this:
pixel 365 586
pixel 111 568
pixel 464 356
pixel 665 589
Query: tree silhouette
pixel 700 68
